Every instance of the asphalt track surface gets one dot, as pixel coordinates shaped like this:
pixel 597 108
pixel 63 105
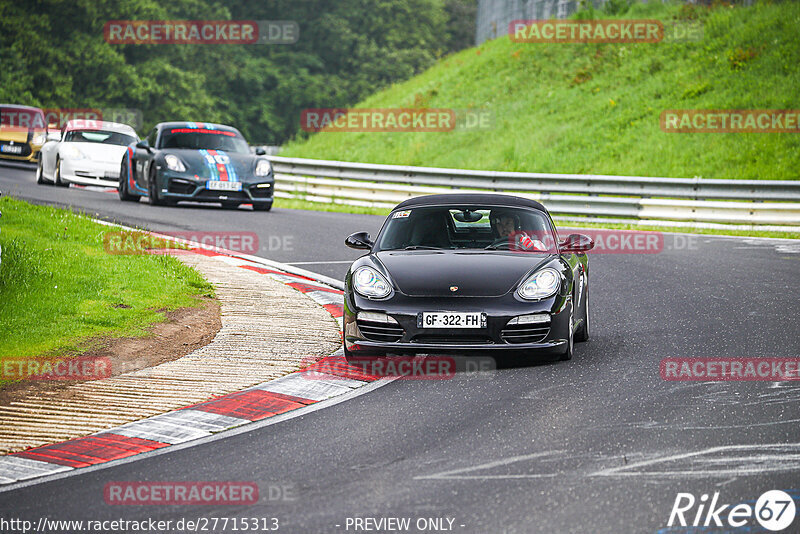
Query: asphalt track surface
pixel 597 444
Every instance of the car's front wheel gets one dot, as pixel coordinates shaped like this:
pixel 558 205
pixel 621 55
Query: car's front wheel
pixel 570 337
pixel 57 177
pixel 152 191
pixel 39 172
pixel 262 206
pixel 583 330
pixel 122 187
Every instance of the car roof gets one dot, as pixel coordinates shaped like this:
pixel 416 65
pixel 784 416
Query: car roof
pixel 17 106
pixel 488 199
pixel 81 124
pixel 190 124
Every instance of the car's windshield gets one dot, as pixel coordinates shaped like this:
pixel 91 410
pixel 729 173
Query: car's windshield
pixel 209 139
pixel 99 136
pixel 468 227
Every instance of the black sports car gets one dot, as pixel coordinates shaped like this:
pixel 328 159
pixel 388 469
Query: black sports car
pixel 199 162
pixel 467 272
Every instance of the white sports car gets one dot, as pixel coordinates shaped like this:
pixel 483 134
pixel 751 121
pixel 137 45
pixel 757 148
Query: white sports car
pixel 86 152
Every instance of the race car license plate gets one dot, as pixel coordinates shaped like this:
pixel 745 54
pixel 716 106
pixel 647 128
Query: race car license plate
pixel 215 185
pixel 451 320
pixel 16 149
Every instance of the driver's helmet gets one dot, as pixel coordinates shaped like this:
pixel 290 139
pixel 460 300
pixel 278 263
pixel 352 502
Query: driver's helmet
pixel 500 213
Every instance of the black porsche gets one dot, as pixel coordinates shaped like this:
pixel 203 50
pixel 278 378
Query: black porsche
pixel 199 162
pixel 463 273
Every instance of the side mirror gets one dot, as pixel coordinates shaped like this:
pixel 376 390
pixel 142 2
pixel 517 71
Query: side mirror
pixel 144 145
pixel 54 136
pixel 359 240
pixel 260 151
pixel 576 244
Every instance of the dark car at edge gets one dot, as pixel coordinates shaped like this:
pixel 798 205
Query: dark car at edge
pixel 197 162
pixel 467 272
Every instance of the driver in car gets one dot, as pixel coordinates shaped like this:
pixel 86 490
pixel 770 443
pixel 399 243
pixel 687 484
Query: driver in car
pixel 506 226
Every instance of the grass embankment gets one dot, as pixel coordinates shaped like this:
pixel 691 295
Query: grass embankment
pixel 59 289
pixel 595 108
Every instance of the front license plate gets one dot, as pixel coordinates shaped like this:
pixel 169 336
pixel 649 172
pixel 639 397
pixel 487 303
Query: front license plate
pixel 215 185
pixel 451 320
pixel 16 149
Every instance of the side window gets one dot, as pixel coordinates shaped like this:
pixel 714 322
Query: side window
pixel 151 137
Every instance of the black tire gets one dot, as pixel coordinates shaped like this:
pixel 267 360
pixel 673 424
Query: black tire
pixel 583 330
pixel 152 189
pixel 57 174
pixel 571 338
pixel 122 187
pixel 40 172
pixel 262 206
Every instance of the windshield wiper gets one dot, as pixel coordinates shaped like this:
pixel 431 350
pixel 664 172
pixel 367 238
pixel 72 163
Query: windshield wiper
pixel 422 247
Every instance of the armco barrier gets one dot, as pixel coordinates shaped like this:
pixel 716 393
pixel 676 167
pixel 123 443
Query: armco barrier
pixel 752 202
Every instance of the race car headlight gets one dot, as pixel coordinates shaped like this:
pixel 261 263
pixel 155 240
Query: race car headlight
pixel 263 167
pixel 39 139
pixel 370 283
pixel 174 163
pixel 541 284
pixel 70 152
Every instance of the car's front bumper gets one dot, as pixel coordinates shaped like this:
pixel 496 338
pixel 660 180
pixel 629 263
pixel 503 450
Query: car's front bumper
pixel 177 186
pixel 90 172
pixel 543 338
pixel 28 151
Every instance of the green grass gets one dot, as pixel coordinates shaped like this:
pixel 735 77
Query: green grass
pixel 59 289
pixel 344 208
pixel 595 108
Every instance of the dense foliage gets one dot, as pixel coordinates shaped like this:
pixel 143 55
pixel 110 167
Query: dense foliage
pixel 53 54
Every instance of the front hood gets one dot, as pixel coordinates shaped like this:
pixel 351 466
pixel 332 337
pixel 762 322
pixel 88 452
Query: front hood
pixel 475 273
pixel 13 134
pixel 100 152
pixel 238 167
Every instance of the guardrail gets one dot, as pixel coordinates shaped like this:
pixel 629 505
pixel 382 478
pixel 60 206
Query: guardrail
pixel 627 198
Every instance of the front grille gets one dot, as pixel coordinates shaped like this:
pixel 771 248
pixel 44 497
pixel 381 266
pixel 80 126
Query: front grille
pixel 26 149
pixel 207 194
pixel 524 333
pixel 385 332
pixel 452 340
pixel 181 188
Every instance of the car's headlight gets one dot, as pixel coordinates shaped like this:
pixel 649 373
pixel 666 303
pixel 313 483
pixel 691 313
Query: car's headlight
pixel 541 284
pixel 39 139
pixel 370 283
pixel 70 152
pixel 263 167
pixel 174 163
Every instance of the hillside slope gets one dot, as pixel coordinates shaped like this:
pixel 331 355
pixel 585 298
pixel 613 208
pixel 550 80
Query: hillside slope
pixel 595 108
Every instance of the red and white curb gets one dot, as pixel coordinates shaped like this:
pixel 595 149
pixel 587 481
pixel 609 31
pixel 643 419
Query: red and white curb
pixel 324 379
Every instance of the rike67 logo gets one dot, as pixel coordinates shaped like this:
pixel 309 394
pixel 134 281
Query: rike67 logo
pixel 774 510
